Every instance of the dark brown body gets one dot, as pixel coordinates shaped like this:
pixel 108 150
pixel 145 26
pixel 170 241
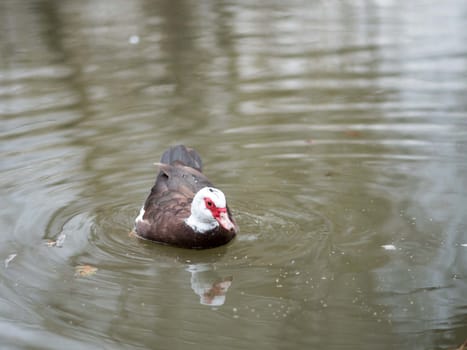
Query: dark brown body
pixel 169 204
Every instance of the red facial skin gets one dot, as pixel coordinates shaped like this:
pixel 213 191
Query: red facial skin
pixel 220 214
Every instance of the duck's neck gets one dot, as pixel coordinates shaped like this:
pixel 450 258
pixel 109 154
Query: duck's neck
pixel 200 226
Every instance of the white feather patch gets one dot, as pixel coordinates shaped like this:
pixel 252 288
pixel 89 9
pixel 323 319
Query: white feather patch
pixel 140 216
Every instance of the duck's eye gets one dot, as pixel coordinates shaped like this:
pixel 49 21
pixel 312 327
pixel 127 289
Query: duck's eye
pixel 209 203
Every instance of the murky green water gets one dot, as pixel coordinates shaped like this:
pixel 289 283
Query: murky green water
pixel 337 129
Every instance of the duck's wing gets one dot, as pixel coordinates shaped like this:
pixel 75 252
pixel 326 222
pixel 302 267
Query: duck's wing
pixel 179 178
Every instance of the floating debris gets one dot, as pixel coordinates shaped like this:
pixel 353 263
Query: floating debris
pixel 9 259
pixel 389 247
pixel 58 243
pixel 463 244
pixel 352 133
pixel 134 39
pixel 85 270
pixel 463 346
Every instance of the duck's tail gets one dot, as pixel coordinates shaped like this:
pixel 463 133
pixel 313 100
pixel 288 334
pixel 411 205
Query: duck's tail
pixel 184 155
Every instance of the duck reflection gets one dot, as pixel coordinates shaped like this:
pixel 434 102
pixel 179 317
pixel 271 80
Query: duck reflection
pixel 205 279
pixel 207 283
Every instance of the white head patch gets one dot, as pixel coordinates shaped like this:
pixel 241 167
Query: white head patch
pixel 201 219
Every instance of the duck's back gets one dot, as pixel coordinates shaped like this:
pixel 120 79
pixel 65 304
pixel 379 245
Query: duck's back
pixel 180 171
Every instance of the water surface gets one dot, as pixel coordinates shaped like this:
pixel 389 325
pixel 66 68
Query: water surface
pixel 337 130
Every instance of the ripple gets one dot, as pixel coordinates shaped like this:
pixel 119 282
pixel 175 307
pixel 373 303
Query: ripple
pixel 277 236
pixel 53 72
pixel 382 127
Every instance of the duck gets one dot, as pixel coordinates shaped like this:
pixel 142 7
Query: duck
pixel 184 209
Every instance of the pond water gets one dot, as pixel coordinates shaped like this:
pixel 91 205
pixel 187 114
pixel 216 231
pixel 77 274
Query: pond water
pixel 337 130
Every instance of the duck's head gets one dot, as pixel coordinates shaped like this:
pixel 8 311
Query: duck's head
pixel 209 210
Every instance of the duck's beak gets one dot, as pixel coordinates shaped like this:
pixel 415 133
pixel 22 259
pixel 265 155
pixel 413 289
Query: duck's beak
pixel 224 220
